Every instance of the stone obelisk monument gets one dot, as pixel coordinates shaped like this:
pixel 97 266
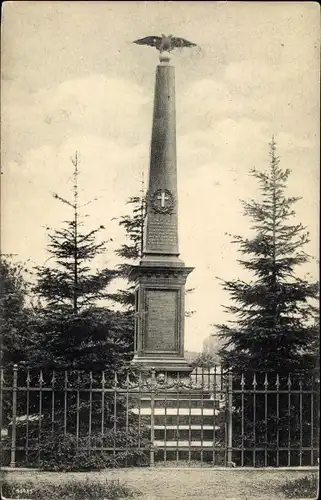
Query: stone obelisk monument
pixel 161 275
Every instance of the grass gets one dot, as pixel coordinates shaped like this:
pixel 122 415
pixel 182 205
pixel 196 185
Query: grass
pixel 164 484
pixel 303 487
pixel 70 490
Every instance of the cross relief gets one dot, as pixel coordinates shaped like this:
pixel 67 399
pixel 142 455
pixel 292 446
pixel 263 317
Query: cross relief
pixel 162 197
pixel 162 201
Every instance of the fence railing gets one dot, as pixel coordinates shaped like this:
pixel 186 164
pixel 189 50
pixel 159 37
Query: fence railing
pixel 211 417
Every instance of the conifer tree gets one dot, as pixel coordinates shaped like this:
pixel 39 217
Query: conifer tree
pixel 273 326
pixel 83 343
pixel 271 342
pixel 79 332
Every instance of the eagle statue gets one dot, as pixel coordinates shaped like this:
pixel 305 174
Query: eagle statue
pixel 165 43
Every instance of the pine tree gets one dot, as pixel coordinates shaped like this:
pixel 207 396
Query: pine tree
pixel 272 328
pixel 270 344
pixel 79 332
pixel 83 343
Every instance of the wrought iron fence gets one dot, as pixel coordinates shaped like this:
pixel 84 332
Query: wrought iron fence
pixel 211 417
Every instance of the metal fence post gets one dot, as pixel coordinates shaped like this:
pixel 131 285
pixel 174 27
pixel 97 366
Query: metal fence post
pixel 14 416
pixel 1 413
pixel 152 419
pixel 229 419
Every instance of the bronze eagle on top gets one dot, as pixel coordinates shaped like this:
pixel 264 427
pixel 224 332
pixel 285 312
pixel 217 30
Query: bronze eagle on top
pixel 165 43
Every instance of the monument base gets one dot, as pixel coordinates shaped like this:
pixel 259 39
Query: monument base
pixel 172 364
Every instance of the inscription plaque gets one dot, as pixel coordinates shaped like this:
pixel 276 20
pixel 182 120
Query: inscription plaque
pixel 162 233
pixel 161 325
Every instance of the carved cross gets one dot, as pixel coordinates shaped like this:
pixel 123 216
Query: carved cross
pixel 162 197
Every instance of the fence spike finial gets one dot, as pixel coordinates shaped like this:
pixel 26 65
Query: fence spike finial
pixel 53 378
pixel 103 378
pixel 254 383
pixel 289 381
pixel 242 381
pixel 277 382
pixel 41 380
pixel 153 380
pixel 115 379
pixel 265 381
pixel 91 377
pixel 2 376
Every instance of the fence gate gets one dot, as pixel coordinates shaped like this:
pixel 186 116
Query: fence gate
pixel 209 418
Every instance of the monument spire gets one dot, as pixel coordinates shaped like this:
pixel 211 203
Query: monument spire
pixel 161 275
pixel 161 223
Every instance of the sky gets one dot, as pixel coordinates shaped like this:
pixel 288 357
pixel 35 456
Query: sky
pixel 72 80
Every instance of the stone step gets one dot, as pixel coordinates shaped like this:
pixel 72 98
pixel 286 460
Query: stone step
pixel 182 403
pixel 176 411
pixel 186 420
pixel 176 395
pixel 188 435
pixel 186 427
pixel 184 444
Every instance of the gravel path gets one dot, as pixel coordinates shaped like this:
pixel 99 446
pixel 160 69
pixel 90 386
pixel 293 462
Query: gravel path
pixel 183 484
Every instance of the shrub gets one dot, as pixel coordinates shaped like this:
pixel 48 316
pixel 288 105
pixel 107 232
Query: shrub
pixel 64 452
pixel 70 490
pixel 304 487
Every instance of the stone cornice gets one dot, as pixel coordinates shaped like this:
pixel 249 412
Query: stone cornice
pixel 149 273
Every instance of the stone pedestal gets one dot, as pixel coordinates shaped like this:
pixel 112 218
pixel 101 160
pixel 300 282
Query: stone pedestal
pixel 159 325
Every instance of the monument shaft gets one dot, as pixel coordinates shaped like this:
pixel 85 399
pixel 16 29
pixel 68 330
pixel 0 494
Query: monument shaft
pixel 161 230
pixel 161 275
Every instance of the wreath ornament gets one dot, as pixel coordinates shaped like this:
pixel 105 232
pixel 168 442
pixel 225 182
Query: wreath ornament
pixel 162 201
